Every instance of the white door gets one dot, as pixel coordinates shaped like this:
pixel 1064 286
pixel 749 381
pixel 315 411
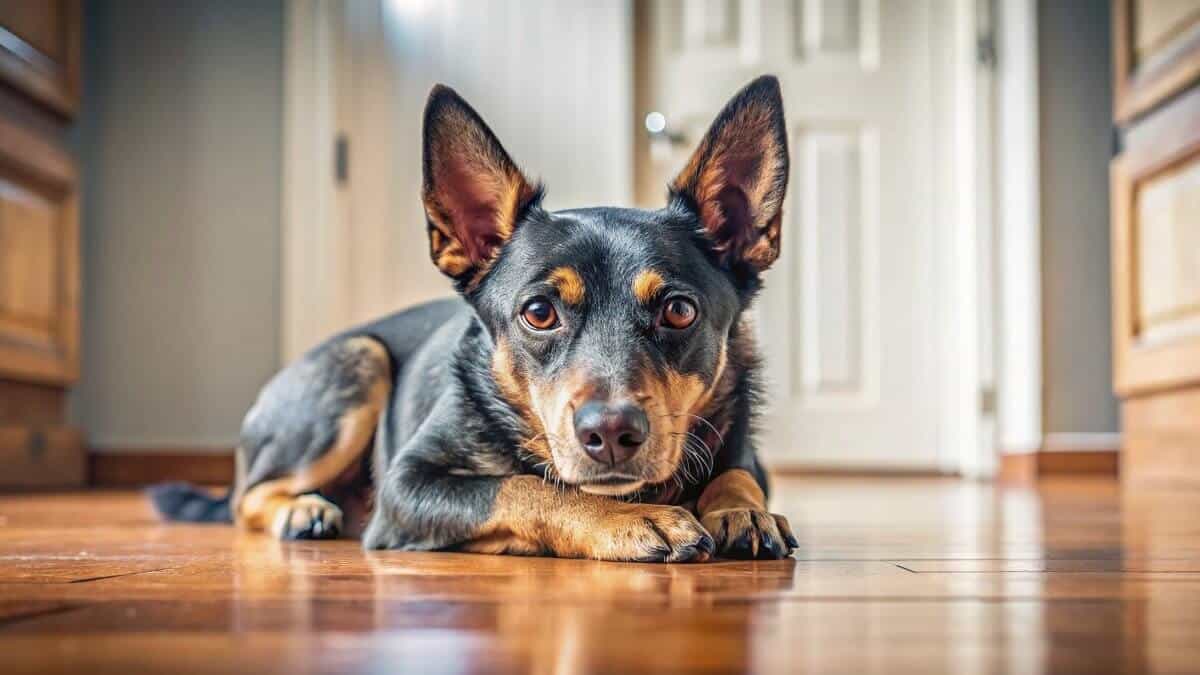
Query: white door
pixel 850 319
pixel 564 119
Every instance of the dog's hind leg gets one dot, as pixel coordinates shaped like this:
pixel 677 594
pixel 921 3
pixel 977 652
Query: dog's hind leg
pixel 310 436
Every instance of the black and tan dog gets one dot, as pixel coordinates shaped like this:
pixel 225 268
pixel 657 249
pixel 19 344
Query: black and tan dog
pixel 591 395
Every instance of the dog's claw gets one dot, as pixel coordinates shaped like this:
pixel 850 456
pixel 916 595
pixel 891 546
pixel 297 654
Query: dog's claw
pixel 750 534
pixel 651 534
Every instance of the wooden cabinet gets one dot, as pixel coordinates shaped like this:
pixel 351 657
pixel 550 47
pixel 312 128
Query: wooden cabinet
pixel 1156 238
pixel 39 243
pixel 39 51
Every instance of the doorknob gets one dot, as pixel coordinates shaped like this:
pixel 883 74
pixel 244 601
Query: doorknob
pixel 658 131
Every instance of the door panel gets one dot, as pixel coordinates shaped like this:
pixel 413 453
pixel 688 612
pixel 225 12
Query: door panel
pixel 1156 53
pixel 39 285
pixel 834 231
pixel 1156 251
pixel 848 318
pixel 1168 209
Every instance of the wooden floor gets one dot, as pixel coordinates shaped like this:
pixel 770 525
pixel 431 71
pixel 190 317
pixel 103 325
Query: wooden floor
pixel 893 576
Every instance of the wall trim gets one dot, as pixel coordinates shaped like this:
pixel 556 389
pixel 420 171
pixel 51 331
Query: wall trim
pixel 139 467
pixel 1079 454
pixel 1082 442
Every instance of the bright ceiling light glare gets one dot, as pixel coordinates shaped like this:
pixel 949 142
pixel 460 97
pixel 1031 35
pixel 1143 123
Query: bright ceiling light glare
pixel 656 122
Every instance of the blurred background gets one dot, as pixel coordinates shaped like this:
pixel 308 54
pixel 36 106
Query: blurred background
pixel 192 193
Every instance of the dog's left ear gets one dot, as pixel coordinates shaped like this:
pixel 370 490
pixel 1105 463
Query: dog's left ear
pixel 737 178
pixel 473 192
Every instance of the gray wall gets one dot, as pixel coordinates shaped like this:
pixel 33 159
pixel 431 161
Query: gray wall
pixel 1075 97
pixel 180 146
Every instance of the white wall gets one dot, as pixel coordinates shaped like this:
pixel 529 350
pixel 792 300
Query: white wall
pixel 1076 129
pixel 180 150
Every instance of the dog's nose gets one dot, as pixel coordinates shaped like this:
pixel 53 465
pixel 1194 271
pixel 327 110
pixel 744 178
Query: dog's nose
pixel 611 432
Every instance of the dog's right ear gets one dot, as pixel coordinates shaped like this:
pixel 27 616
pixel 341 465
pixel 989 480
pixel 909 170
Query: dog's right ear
pixel 473 192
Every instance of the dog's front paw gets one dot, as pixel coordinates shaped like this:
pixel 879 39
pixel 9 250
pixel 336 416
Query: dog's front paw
pixel 747 533
pixel 650 534
pixel 308 516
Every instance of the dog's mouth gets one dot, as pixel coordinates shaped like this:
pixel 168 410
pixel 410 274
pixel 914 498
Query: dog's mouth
pixel 612 485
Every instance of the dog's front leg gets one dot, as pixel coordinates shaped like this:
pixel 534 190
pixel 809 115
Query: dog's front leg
pixel 733 508
pixel 526 515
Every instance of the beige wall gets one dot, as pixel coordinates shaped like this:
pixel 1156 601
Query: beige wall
pixel 180 149
pixel 1076 133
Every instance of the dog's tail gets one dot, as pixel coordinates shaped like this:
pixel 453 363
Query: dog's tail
pixel 187 503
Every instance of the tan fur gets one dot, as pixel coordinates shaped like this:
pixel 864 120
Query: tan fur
pixel 734 489
pixel 554 403
pixel 265 505
pixel 515 390
pixel 646 285
pixel 673 402
pixel 530 514
pixel 569 284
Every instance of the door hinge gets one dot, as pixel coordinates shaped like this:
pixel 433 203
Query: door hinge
pixel 341 159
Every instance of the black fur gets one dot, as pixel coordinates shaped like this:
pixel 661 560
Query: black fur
pixel 189 504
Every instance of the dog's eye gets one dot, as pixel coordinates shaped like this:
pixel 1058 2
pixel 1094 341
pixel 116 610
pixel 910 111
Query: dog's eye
pixel 539 314
pixel 678 312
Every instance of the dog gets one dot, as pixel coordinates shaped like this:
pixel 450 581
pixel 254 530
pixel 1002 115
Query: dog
pixel 591 393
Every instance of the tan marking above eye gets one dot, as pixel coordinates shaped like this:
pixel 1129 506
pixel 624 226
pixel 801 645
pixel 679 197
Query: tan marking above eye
pixel 646 285
pixel 568 283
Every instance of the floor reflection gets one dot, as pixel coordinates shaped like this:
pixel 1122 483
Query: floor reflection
pixel 902 575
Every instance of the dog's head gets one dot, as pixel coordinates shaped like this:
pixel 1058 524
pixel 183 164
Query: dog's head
pixel 611 325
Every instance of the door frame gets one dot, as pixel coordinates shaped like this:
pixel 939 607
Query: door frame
pixel 315 259
pixel 967 228
pixel 316 281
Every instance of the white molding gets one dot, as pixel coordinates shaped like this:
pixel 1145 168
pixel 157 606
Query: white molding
pixel 1019 330
pixel 1082 442
pixel 967 440
pixel 1013 450
pixel 313 256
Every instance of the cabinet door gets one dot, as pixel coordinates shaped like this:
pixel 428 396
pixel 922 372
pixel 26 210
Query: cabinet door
pixel 39 260
pixel 39 50
pixel 1156 251
pixel 1156 52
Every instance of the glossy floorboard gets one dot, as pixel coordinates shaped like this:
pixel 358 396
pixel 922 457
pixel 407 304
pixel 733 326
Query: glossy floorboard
pixel 893 576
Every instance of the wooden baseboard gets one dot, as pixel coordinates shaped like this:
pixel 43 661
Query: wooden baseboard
pixel 1030 466
pixel 138 468
pixel 801 471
